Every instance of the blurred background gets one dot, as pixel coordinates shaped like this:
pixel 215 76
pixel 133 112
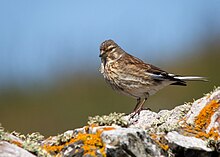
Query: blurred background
pixel 49 78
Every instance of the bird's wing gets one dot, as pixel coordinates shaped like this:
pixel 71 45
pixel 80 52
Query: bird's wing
pixel 145 67
pixel 153 71
pixel 161 75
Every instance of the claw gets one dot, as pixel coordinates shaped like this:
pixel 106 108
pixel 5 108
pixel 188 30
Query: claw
pixel 137 112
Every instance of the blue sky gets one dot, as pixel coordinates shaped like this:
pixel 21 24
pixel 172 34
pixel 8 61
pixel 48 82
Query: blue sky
pixel 39 39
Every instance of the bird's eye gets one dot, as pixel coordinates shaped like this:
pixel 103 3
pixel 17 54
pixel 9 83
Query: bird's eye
pixel 110 48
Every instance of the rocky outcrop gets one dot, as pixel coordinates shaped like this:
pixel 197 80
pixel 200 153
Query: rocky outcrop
pixel 191 129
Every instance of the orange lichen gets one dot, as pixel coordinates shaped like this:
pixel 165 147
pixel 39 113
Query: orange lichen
pixel 204 118
pixel 88 127
pixel 108 128
pixel 202 121
pixel 163 146
pixel 159 139
pixel 53 149
pixel 19 144
pixel 90 143
pixel 153 136
pixel 213 133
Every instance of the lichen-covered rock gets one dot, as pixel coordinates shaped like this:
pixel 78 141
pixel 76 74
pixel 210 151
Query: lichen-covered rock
pixel 11 150
pixel 191 129
pixel 164 121
pixel 31 143
pixel 130 142
pixel 108 120
pixel 199 128
pixel 187 141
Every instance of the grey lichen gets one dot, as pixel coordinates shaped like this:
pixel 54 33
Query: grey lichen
pixel 170 120
pixel 61 138
pixel 162 122
pixel 65 137
pixel 109 120
pixel 32 143
pixel 215 89
pixel 36 136
pixel 29 142
pixel 2 133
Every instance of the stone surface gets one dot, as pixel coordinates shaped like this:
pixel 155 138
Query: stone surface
pixel 130 141
pixel 191 129
pixel 11 150
pixel 187 142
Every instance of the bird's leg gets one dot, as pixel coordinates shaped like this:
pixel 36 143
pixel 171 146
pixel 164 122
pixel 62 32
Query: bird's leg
pixel 138 102
pixel 138 107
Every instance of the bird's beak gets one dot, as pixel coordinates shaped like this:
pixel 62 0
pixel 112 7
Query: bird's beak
pixel 101 54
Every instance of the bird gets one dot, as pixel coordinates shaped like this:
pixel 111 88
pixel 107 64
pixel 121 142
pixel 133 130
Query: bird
pixel 133 77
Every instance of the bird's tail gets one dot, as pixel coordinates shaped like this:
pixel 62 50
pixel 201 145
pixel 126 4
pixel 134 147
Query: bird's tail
pixel 191 78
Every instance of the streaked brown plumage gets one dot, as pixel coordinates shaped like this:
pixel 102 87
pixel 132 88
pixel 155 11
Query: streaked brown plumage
pixel 131 76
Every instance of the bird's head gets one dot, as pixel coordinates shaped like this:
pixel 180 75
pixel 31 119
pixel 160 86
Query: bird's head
pixel 109 49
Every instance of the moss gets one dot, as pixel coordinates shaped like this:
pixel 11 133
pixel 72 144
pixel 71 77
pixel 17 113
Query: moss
pixel 109 120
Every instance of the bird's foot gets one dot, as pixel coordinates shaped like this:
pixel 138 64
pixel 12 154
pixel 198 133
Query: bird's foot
pixel 136 112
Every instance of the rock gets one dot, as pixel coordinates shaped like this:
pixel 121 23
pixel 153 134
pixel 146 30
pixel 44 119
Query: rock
pixel 11 150
pixel 191 129
pixel 130 142
pixel 187 142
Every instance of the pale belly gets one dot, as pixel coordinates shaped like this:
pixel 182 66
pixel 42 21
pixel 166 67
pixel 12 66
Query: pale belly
pixel 138 89
pixel 129 85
